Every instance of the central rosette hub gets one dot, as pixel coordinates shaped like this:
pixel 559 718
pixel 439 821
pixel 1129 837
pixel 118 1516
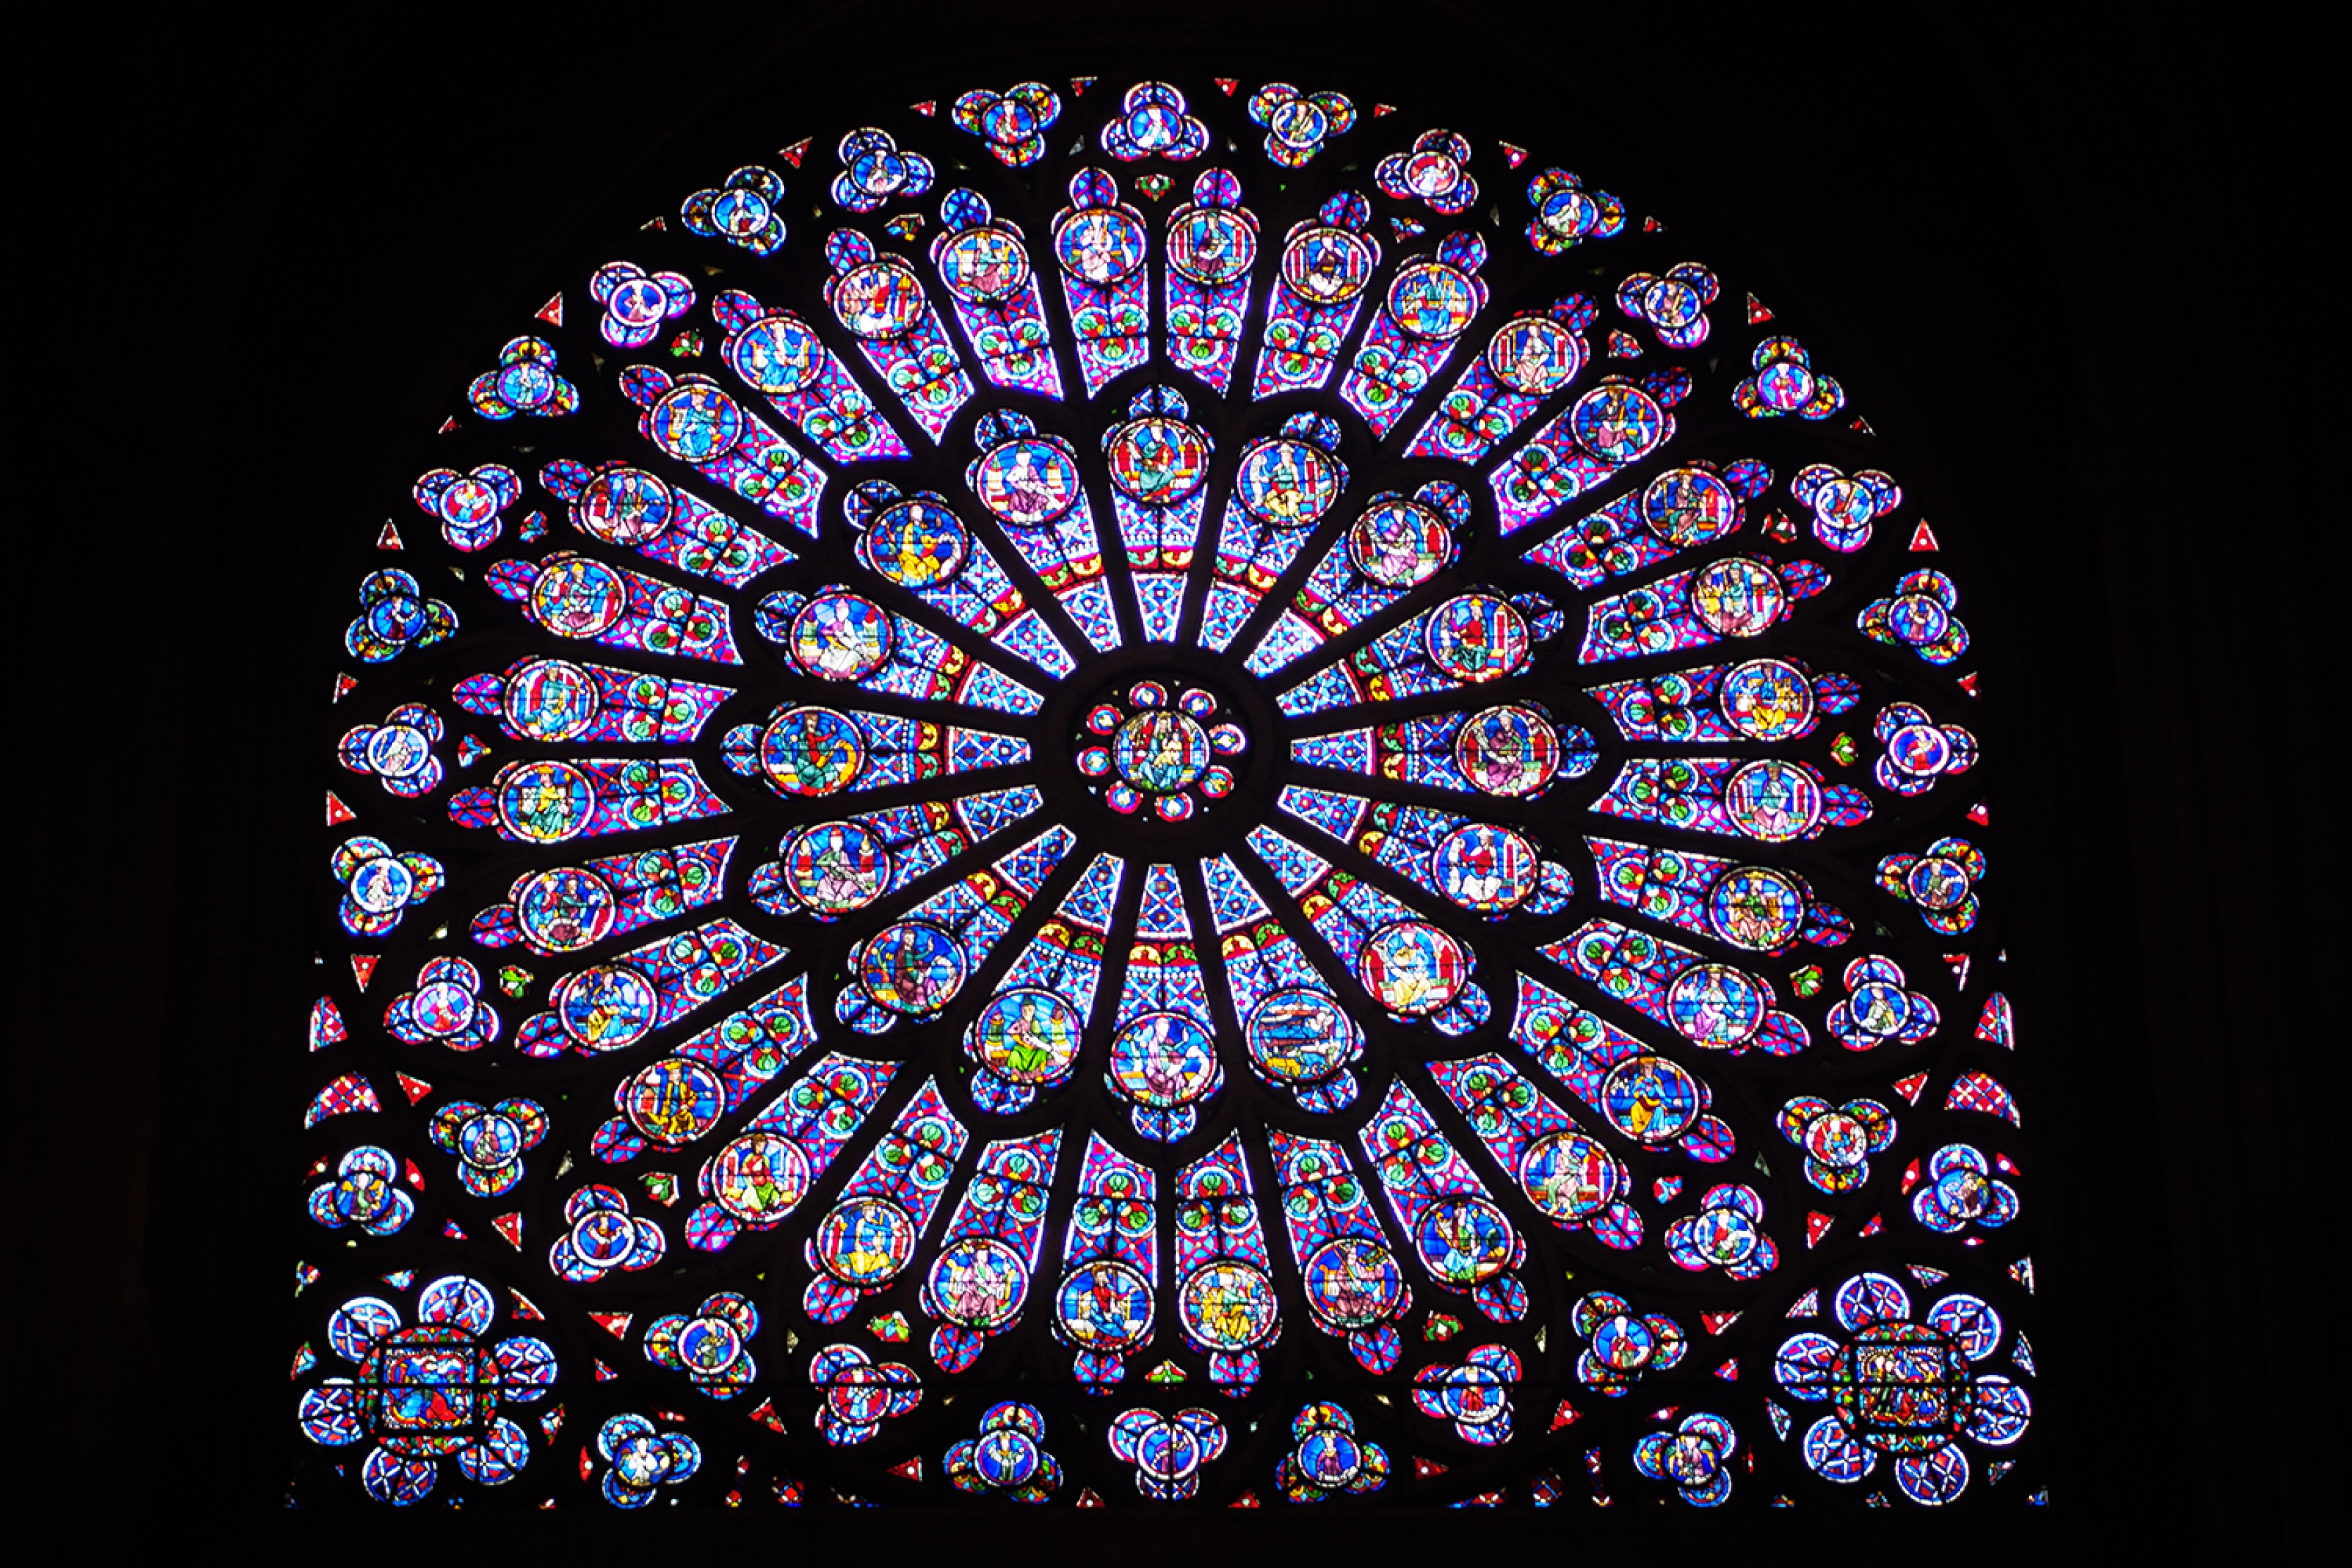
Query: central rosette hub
pixel 1159 749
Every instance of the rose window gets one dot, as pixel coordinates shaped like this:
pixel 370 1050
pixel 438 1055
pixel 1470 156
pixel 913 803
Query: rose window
pixel 1157 739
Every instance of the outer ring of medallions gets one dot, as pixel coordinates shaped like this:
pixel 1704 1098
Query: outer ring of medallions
pixel 1214 824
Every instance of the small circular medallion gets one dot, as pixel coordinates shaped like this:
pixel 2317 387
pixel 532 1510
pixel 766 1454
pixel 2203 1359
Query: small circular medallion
pixel 1006 1459
pixel 565 908
pixel 1568 214
pixel 625 506
pixel 1299 1036
pixel 983 266
pixel 398 751
pixel 811 751
pixel 1399 544
pixel 912 967
pixel 1881 1009
pixel 780 355
pixel 1431 172
pixel 575 596
pixel 880 299
pixel 488 1142
pixel 604 1238
pixel 1331 1458
pixel 1163 1061
pixel 1535 356
pixel 1298 123
pixel 1650 1099
pixel 1964 1193
pixel 1484 868
pixel 607 1008
pixel 1623 1342
pixel 1936 883
pixel 1618 422
pixel 1161 751
pixel 979 1283
pixel 1737 597
pixel 1837 1140
pixel 1724 1236
pixel 1570 1176
pixel 1227 1305
pixel 865 1241
pixel 1158 461
pixel 915 544
pixel 550 700
pixel 1464 1241
pixel 1478 637
pixel 759 1178
pixel 1758 908
pixel 1919 619
pixel 1325 265
pixel 741 213
pixel 1766 700
pixel 443 1009
pixel 545 802
pixel 1167 1452
pixel 1671 305
pixel 468 504
pixel 1431 300
pixel 673 1101
pixel 1028 1036
pixel 1507 750
pixel 1211 245
pixel 1689 506
pixel 1773 801
pixel 1099 246
pixel 1026 483
pixel 1286 483
pixel 709 1345
pixel 1785 386
pixel 393 612
pixel 1105 1306
pixel 525 384
pixel 1922 751
pixel 1716 1006
pixel 695 422
pixel 1412 968
pixel 837 867
pixel 841 636
pixel 1844 511
pixel 1352 1282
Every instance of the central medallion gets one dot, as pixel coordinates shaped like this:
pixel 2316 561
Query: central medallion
pixel 1155 750
pixel 1161 754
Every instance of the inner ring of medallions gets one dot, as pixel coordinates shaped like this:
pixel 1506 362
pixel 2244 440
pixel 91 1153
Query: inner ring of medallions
pixel 1163 741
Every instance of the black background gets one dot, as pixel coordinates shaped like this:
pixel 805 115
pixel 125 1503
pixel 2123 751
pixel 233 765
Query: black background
pixel 2069 260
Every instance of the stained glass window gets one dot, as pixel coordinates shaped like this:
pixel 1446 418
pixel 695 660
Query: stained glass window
pixel 1108 793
